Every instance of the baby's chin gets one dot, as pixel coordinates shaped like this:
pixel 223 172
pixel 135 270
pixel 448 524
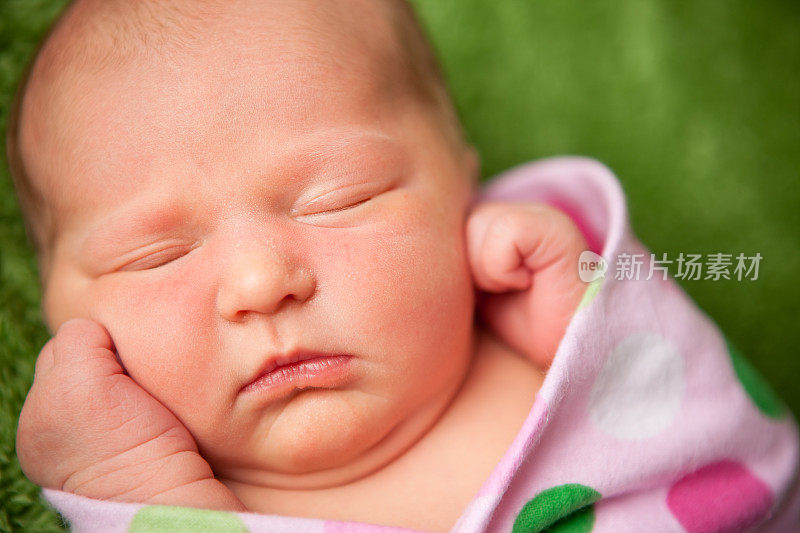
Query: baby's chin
pixel 325 438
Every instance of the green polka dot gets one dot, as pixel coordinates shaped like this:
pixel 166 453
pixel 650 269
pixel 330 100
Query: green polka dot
pixel 591 292
pixel 756 386
pixel 564 509
pixel 158 518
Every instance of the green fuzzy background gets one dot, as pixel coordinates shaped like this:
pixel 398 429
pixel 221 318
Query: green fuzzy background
pixel 694 105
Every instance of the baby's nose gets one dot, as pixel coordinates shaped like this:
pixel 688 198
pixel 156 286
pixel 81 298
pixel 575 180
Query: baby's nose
pixel 261 280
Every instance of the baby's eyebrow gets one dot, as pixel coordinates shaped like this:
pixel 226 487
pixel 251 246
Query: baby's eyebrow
pixel 346 147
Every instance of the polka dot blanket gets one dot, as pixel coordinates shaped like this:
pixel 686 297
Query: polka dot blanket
pixel 648 420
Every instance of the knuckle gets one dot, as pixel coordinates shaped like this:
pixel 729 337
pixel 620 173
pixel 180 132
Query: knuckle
pixel 567 227
pixel 81 348
pixel 555 215
pixel 75 326
pixel 83 329
pixel 560 218
pixel 504 224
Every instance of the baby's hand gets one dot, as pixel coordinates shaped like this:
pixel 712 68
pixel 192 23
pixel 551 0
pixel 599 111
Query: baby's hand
pixel 88 428
pixel 524 260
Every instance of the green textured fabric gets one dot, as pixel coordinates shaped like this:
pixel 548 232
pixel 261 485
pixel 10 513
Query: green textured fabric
pixel 591 291
pixel 160 519
pixel 754 384
pixel 694 105
pixel 564 509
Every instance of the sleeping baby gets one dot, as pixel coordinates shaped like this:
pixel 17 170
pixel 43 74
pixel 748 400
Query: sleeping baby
pixel 281 301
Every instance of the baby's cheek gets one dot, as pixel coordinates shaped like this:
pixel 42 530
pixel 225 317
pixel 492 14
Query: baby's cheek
pixel 157 323
pixel 429 251
pixel 410 275
pixel 151 305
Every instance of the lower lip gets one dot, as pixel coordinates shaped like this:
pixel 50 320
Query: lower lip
pixel 317 372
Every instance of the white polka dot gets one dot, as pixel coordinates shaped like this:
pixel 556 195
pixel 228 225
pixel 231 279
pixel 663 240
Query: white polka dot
pixel 638 391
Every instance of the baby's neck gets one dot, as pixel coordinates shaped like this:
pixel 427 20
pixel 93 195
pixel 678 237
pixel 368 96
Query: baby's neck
pixel 430 484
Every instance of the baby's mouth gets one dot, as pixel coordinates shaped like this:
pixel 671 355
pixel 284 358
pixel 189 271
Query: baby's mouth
pixel 299 370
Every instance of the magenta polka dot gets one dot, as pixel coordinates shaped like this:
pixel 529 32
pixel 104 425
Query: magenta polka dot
pixel 723 496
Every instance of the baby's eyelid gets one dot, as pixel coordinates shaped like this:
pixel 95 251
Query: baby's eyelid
pixel 157 258
pixel 342 198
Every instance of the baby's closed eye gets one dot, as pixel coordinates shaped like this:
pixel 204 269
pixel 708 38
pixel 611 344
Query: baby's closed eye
pixel 154 258
pixel 342 198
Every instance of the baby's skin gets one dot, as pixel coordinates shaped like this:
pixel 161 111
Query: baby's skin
pixel 88 428
pixel 267 185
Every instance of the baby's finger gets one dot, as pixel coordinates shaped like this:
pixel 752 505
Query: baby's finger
pixel 553 242
pixel 495 262
pixel 84 347
pixel 44 362
pixel 501 266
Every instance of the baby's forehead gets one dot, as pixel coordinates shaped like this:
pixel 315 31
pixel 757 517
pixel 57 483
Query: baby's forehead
pixel 94 34
pixel 364 38
pixel 82 59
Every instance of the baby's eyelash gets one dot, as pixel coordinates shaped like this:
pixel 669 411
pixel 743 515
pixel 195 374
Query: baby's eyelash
pixel 343 199
pixel 349 206
pixel 157 259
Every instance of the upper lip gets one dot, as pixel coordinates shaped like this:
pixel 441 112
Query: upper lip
pixel 274 361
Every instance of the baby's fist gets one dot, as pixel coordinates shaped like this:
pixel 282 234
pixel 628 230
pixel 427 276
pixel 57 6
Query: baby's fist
pixel 524 259
pixel 88 428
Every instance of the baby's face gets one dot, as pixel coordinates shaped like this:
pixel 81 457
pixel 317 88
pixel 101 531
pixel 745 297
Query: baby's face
pixel 254 198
